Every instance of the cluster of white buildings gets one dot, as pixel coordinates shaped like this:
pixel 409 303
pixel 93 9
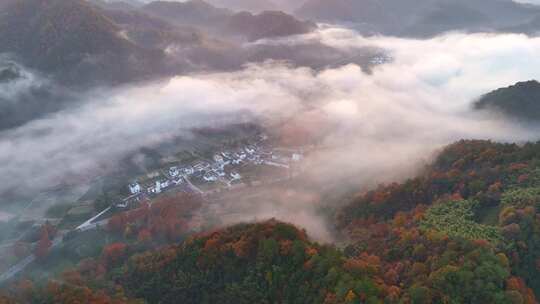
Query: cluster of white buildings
pixel 222 167
pixel 158 186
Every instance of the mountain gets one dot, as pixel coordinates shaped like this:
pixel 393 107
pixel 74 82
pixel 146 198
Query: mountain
pixel 521 100
pixel 117 5
pixel 22 92
pixel 465 230
pixel 187 47
pixel 217 21
pixel 450 16
pixel 365 11
pixel 195 12
pixel 420 18
pixel 267 24
pixel 474 190
pixel 275 262
pixel 531 27
pixel 153 32
pixel 76 42
pixel 68 38
pixel 55 45
pixel 255 6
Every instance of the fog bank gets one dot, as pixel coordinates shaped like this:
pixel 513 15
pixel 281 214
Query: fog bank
pixel 375 127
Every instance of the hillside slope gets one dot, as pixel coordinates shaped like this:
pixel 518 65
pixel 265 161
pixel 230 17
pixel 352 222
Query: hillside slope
pixel 521 100
pixel 274 262
pixel 464 231
pixel 197 13
pixel 475 190
pixel 255 6
pixel 268 24
pixel 70 38
pixel 422 17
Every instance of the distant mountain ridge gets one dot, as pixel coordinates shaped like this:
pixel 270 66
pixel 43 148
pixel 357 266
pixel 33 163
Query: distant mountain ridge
pixel 25 96
pixel 199 13
pixel 420 17
pixel 81 42
pixel 268 24
pixel 196 12
pixel 521 100
pixel 70 38
pixel 255 6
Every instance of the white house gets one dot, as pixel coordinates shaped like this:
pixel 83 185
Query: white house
pixel 123 204
pixel 179 180
pixel 174 172
pixel 188 170
pixel 165 184
pixel 218 158
pixel 134 188
pixel 226 155
pixel 210 177
pixel 297 157
pixel 157 189
pixel 201 166
pixel 235 175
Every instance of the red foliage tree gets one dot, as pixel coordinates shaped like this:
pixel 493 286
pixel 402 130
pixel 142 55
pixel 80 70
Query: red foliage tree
pixel 117 223
pixel 114 253
pixel 144 236
pixel 43 245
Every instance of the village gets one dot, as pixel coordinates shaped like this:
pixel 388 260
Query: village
pixel 226 170
pixel 251 164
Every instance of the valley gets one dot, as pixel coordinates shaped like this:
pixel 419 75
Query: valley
pixel 269 151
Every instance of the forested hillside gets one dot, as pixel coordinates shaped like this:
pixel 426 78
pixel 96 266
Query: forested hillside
pixel 476 191
pixel 521 101
pixel 466 231
pixel 423 18
pixel 71 38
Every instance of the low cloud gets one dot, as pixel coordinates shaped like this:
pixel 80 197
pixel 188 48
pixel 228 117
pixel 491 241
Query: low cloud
pixel 15 80
pixel 25 94
pixel 374 126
